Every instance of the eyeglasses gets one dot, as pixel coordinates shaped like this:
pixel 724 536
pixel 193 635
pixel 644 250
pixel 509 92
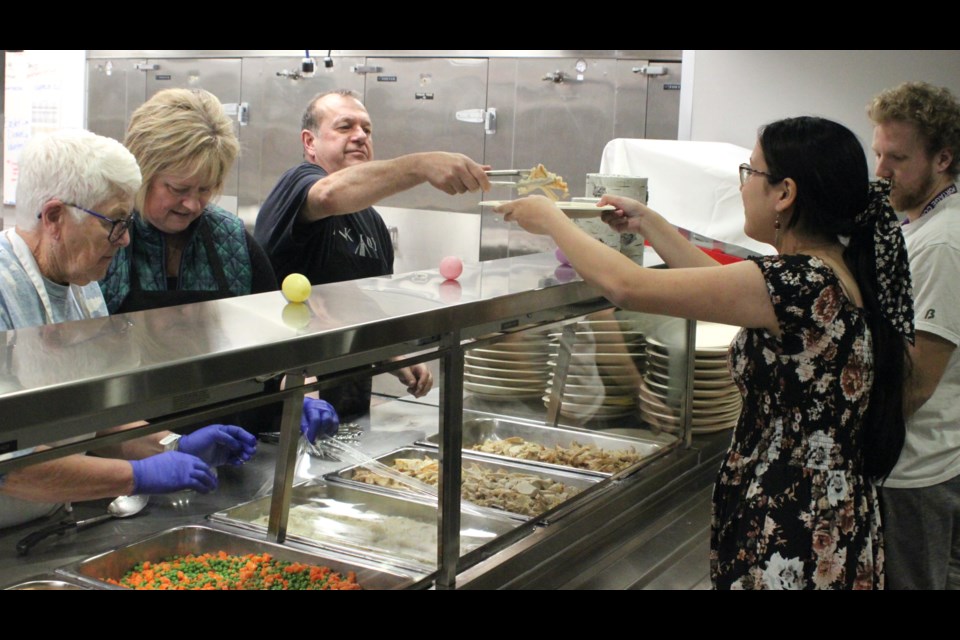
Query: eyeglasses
pixel 117 227
pixel 746 170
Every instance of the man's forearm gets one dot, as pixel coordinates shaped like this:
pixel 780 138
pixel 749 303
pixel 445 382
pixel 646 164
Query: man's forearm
pixel 360 186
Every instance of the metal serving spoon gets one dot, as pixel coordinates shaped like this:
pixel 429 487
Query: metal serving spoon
pixel 122 507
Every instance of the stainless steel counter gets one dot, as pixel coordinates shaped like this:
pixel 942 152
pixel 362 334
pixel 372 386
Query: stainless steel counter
pixel 65 380
pixel 653 535
pixel 180 365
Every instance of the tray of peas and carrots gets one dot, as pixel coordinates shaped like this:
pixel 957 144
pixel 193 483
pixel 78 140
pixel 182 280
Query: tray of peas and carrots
pixel 203 558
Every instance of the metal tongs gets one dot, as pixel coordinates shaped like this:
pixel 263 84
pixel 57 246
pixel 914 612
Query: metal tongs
pixel 330 448
pixel 348 432
pixel 523 176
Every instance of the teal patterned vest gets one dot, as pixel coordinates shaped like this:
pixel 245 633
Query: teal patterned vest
pixel 147 247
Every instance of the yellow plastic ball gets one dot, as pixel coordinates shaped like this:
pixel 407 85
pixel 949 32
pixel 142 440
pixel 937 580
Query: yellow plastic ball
pixel 296 287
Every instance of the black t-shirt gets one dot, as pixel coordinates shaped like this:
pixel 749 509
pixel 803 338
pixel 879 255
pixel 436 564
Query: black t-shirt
pixel 333 249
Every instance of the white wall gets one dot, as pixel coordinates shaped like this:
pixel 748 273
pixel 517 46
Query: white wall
pixel 727 95
pixel 43 91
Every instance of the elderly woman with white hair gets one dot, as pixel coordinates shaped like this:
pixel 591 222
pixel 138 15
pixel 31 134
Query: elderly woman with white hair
pixel 75 193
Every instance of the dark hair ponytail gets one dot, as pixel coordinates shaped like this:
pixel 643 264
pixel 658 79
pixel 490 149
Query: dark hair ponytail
pixel 885 429
pixel 827 162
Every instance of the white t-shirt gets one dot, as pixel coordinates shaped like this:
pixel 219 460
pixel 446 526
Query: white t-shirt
pixel 931 453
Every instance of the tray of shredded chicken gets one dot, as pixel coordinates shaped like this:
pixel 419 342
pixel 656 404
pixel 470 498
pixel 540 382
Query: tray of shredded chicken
pixel 382 527
pixel 519 490
pixel 561 448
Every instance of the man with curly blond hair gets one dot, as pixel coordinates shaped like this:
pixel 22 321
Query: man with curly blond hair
pixel 917 145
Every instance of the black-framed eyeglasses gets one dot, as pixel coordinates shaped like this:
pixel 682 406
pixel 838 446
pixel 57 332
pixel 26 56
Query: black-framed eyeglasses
pixel 117 227
pixel 746 170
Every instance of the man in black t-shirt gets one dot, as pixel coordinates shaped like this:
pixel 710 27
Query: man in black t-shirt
pixel 319 219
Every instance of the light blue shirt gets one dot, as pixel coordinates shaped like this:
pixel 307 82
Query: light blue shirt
pixel 22 306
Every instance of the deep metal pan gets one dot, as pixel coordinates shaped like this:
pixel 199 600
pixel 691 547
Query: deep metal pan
pixel 576 480
pixel 198 539
pixel 362 522
pixel 478 430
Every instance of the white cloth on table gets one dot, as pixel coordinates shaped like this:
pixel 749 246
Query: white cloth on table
pixel 694 185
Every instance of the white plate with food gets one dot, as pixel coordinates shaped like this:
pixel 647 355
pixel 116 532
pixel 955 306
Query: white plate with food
pixel 572 209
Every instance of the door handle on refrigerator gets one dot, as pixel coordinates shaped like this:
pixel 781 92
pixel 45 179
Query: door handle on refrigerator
pixel 486 117
pixel 239 109
pixel 651 70
pixel 490 122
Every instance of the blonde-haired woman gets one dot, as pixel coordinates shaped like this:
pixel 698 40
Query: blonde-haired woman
pixel 183 248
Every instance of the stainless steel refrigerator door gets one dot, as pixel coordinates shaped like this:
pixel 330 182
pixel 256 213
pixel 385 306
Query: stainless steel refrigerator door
pixel 558 111
pixel 115 88
pixel 271 138
pixel 219 76
pixel 663 103
pixel 414 104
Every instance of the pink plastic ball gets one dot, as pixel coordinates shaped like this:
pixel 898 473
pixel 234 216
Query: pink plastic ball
pixel 451 267
pixel 562 257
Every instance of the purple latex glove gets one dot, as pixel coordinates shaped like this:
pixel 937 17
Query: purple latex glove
pixel 219 444
pixel 172 471
pixel 319 418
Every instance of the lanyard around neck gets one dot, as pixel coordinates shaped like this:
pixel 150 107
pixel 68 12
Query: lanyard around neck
pixel 937 199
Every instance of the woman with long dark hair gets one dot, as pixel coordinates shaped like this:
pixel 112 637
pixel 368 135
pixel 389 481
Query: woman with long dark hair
pixel 819 363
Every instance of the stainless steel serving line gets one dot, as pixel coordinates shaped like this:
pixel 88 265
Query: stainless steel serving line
pixel 175 366
pixel 70 379
pixel 182 365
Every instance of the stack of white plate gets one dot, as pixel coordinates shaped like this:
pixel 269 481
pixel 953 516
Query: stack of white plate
pixel 603 375
pixel 515 367
pixel 716 400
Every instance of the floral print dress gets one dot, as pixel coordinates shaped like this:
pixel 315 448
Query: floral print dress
pixel 791 506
